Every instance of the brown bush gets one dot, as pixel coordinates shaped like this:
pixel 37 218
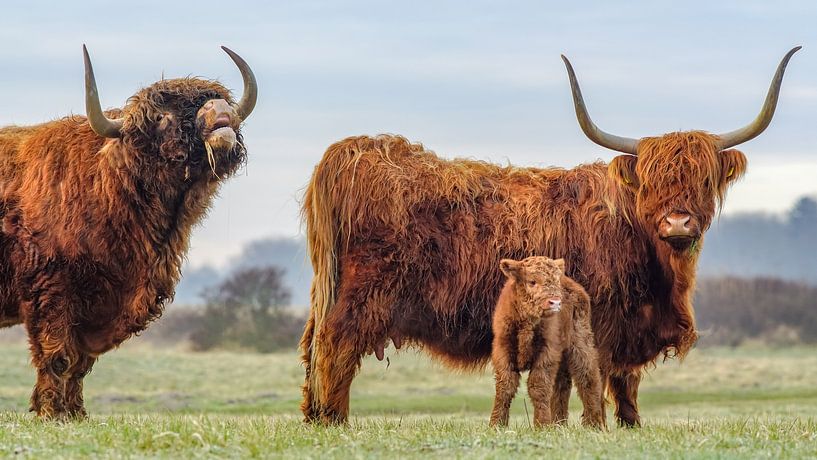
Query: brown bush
pixel 733 310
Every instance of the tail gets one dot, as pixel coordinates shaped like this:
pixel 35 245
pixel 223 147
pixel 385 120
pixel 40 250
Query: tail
pixel 322 228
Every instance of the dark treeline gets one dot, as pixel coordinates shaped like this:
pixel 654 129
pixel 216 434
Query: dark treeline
pixel 757 244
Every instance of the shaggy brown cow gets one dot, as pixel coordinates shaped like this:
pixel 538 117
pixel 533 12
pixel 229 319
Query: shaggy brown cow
pixel 405 245
pixel 96 218
pixel 542 320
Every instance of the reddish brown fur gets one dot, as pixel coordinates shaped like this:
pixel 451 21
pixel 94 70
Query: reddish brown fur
pixel 406 244
pixel 530 336
pixel 94 230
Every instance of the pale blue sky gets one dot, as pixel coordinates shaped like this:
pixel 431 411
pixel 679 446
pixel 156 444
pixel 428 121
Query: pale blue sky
pixel 481 79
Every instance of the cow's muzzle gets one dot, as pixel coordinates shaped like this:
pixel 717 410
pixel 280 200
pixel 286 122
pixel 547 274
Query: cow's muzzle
pixel 679 229
pixel 218 123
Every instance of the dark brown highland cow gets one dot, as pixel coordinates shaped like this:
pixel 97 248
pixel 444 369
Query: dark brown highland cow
pixel 405 246
pixel 96 219
pixel 541 323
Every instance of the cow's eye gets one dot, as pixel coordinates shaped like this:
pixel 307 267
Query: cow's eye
pixel 531 283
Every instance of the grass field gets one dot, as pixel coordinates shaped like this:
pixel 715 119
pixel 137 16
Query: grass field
pixel 168 403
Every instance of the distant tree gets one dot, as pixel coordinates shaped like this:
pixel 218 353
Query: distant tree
pixel 802 249
pixel 248 310
pixel 803 216
pixel 289 253
pixel 260 289
pixel 194 281
pixel 764 245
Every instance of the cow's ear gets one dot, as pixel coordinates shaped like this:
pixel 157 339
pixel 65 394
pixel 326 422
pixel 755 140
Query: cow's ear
pixel 733 165
pixel 622 168
pixel 560 263
pixel 511 268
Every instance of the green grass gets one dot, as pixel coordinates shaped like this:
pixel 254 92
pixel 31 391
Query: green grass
pixel 168 403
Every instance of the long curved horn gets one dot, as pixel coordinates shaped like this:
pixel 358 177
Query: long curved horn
pixel 611 141
pixel 101 124
pixel 759 124
pixel 247 102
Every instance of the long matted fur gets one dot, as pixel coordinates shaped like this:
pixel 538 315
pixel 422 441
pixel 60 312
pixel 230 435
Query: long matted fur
pixel 94 230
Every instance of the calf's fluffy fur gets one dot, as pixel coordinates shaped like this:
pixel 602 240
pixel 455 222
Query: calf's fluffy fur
pixel 542 324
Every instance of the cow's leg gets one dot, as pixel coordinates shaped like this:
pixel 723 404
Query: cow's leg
pixel 507 382
pixel 74 402
pixel 624 388
pixel 561 393
pixel 540 385
pixel 338 361
pixel 358 322
pixel 308 406
pixel 60 366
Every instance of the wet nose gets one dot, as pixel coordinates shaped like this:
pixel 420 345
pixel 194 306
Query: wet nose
pixel 555 302
pixel 677 224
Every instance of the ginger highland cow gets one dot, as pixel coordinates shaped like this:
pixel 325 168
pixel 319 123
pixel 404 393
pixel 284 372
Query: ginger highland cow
pixel 404 246
pixel 96 218
pixel 542 323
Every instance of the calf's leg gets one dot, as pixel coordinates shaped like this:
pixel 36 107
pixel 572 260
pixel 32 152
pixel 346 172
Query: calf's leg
pixel 540 385
pixel 507 382
pixel 584 367
pixel 561 393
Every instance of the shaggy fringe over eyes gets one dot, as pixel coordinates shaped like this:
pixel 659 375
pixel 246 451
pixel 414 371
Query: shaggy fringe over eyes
pixel 689 162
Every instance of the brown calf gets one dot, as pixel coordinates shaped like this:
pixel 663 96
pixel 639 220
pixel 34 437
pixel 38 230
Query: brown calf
pixel 542 324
